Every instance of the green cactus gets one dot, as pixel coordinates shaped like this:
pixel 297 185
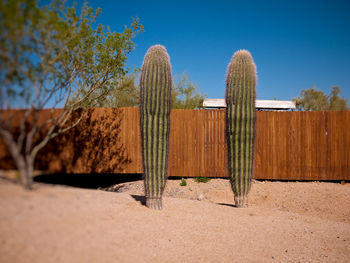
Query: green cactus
pixel 155 104
pixel 240 123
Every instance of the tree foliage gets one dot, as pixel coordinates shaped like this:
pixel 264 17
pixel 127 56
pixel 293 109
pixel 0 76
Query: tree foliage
pixel 47 54
pixel 125 93
pixel 335 101
pixel 186 95
pixel 315 100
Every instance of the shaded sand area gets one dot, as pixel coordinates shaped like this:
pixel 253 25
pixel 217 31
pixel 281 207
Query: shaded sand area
pixel 285 222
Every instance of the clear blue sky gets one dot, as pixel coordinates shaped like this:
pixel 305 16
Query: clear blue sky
pixel 295 44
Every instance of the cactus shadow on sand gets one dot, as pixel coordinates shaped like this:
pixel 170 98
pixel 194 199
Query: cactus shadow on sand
pixel 224 204
pixel 140 198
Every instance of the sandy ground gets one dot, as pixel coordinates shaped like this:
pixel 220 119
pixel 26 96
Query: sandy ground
pixel 285 222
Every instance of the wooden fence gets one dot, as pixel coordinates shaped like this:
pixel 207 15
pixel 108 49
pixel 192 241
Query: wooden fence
pixel 289 145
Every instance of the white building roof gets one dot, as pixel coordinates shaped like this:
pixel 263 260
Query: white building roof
pixel 259 104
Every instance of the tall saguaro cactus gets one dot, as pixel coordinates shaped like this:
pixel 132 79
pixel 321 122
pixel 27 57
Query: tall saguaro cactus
pixel 240 123
pixel 155 105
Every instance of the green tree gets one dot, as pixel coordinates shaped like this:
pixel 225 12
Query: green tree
pixel 185 94
pixel 315 100
pixel 47 54
pixel 335 101
pixel 125 93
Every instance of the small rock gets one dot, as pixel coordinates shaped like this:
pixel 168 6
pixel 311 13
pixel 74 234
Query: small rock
pixel 200 197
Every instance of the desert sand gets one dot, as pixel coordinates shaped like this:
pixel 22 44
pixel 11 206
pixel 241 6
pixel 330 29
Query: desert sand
pixel 285 222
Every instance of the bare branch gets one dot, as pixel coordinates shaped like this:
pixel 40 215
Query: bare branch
pixel 22 131
pixel 11 146
pixel 51 134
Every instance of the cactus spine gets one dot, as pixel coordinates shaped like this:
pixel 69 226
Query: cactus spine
pixel 155 105
pixel 240 123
